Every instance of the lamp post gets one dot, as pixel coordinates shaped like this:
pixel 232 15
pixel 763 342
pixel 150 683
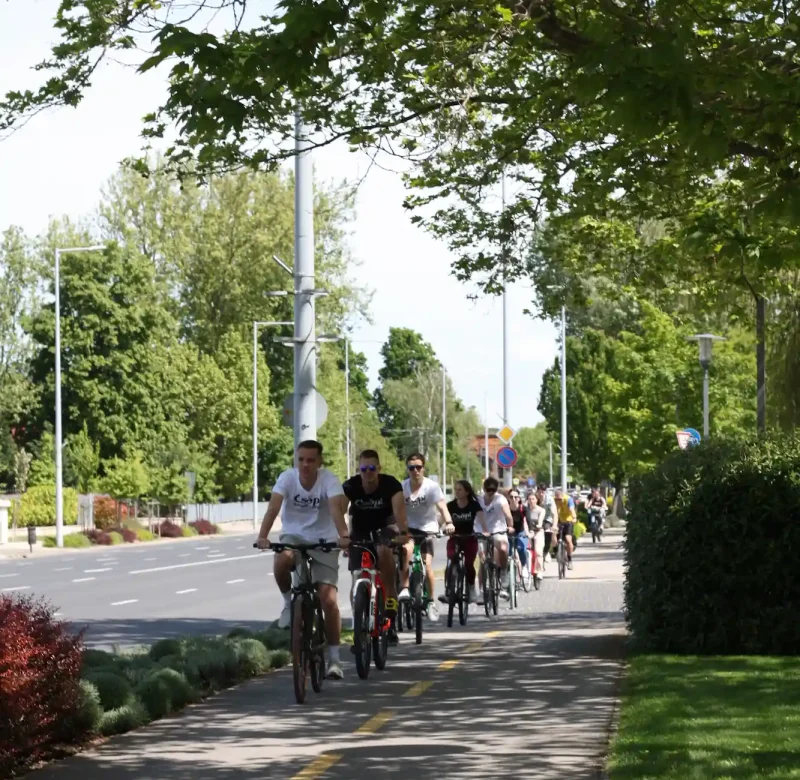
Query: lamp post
pixel 564 398
pixel 59 446
pixel 706 342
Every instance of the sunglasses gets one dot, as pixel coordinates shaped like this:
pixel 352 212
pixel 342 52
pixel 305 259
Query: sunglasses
pixel 490 491
pixel 364 469
pixel 415 468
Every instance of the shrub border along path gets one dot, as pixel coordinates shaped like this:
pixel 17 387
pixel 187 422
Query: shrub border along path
pixel 708 718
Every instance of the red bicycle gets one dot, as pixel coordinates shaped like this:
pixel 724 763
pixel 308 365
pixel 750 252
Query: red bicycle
pixel 370 623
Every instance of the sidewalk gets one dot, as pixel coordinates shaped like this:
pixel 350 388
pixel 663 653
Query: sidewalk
pixel 527 694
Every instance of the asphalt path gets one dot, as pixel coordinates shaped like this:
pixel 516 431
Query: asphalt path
pixel 136 594
pixel 528 693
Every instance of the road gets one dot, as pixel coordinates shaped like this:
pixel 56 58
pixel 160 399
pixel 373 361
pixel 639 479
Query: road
pixel 526 694
pixel 139 593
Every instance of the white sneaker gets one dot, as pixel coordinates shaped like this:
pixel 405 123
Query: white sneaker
pixel 285 620
pixel 474 597
pixel 433 611
pixel 404 595
pixel 334 671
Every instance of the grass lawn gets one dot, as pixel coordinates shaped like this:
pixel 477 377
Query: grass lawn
pixel 697 718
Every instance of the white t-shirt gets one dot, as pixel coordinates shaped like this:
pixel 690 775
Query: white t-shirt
pixel 306 513
pixel 421 508
pixel 495 517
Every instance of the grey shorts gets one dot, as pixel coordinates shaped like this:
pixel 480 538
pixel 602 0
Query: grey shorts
pixel 324 565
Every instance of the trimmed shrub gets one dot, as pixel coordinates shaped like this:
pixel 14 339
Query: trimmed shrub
pixel 116 537
pixel 252 658
pixel 164 691
pixel 274 639
pixel 135 667
pixel 211 665
pixel 143 534
pixel 40 663
pixel 105 513
pixel 240 633
pixel 205 527
pixel 112 687
pixel 166 647
pixel 90 711
pixel 126 718
pixel 96 659
pixel 37 506
pixel 170 530
pixel 279 658
pixel 71 541
pixel 187 530
pixel 128 535
pixel 695 524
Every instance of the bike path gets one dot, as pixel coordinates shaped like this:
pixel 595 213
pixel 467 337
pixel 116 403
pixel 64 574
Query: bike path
pixel 527 692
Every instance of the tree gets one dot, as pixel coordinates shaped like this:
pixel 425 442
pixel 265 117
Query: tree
pixel 405 352
pixel 126 477
pixel 533 452
pixel 574 102
pixel 43 466
pixel 22 469
pixel 81 461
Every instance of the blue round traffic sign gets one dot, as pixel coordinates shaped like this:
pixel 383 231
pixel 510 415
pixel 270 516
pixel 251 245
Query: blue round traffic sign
pixel 506 457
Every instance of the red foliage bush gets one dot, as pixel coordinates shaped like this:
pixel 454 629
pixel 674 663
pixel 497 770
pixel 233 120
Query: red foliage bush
pixel 99 537
pixel 105 512
pixel 128 534
pixel 40 664
pixel 170 530
pixel 204 527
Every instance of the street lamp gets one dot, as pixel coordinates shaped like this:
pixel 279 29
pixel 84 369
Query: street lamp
pixel 706 341
pixel 59 461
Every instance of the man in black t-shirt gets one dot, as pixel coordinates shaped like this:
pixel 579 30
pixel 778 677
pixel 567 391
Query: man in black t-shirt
pixel 376 504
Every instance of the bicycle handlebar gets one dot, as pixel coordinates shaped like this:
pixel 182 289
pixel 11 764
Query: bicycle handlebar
pixel 281 546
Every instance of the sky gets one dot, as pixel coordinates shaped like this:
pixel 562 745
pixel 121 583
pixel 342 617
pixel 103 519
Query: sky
pixel 57 164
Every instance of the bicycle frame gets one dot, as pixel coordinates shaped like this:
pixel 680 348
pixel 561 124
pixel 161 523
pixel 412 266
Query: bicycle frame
pixel 369 576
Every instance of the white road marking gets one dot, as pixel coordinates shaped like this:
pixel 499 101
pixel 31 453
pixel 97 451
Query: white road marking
pixel 233 582
pixel 201 548
pixel 216 555
pixel 197 563
pixel 64 568
pixel 121 603
pixel 242 547
pixel 85 579
pixel 94 571
pixel 5 576
pixel 150 559
pixel 11 590
pixel 188 590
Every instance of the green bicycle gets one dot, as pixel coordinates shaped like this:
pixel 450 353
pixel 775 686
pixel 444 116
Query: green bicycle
pixel 418 584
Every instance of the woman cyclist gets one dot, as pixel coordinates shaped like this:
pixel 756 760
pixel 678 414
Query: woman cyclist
pixel 464 511
pixel 520 522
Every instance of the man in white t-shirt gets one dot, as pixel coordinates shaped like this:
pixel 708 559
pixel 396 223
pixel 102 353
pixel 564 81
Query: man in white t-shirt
pixel 496 519
pixel 309 515
pixel 426 512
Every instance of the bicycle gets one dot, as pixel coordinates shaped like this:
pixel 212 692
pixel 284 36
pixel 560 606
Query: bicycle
pixel 490 575
pixel 418 585
pixel 526 578
pixel 457 585
pixel 511 566
pixel 405 617
pixel 596 525
pixel 307 627
pixel 561 554
pixel 370 626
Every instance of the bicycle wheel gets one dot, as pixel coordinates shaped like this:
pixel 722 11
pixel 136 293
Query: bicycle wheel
pixel 318 643
pixel 512 582
pixel 361 636
pixel 453 591
pixel 417 604
pixel 300 648
pixel 561 555
pixel 399 619
pixel 487 588
pixel 380 643
pixel 463 596
pixel 495 588
pixel 526 575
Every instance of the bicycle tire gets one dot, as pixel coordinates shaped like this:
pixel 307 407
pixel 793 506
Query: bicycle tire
pixel 496 589
pixel 417 604
pixel 454 592
pixel 380 643
pixel 318 644
pixel 362 640
pixel 463 601
pixel 487 588
pixel 562 560
pixel 300 654
pixel 512 582
pixel 526 575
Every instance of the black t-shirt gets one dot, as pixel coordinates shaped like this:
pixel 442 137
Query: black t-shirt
pixel 371 511
pixel 463 517
pixel 516 516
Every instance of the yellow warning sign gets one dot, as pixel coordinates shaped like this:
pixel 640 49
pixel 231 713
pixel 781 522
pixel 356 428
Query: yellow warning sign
pixel 506 434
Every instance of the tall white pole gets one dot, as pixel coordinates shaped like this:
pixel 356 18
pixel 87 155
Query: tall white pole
pixel 551 464
pixel 255 426
pixel 507 473
pixel 347 403
pixel 564 398
pixel 305 357
pixel 59 463
pixel 486 434
pixel 444 430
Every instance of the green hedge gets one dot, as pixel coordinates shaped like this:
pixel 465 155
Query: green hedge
pixel 711 550
pixel 38 506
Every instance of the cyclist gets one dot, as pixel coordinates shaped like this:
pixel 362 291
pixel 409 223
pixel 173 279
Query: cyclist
pixel 521 529
pixel 496 518
pixel 567 517
pixel 550 514
pixel 311 511
pixel 424 501
pixel 535 516
pixel 376 504
pixel 464 510
pixel 596 504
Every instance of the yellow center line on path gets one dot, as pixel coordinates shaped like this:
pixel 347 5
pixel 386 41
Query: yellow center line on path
pixel 493 633
pixel 417 689
pixel 474 648
pixel 318 766
pixel 445 665
pixel 375 722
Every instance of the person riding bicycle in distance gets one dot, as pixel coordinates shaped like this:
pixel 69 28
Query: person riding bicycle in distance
pixel 308 496
pixel 376 504
pixel 567 517
pixel 465 512
pixel 496 520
